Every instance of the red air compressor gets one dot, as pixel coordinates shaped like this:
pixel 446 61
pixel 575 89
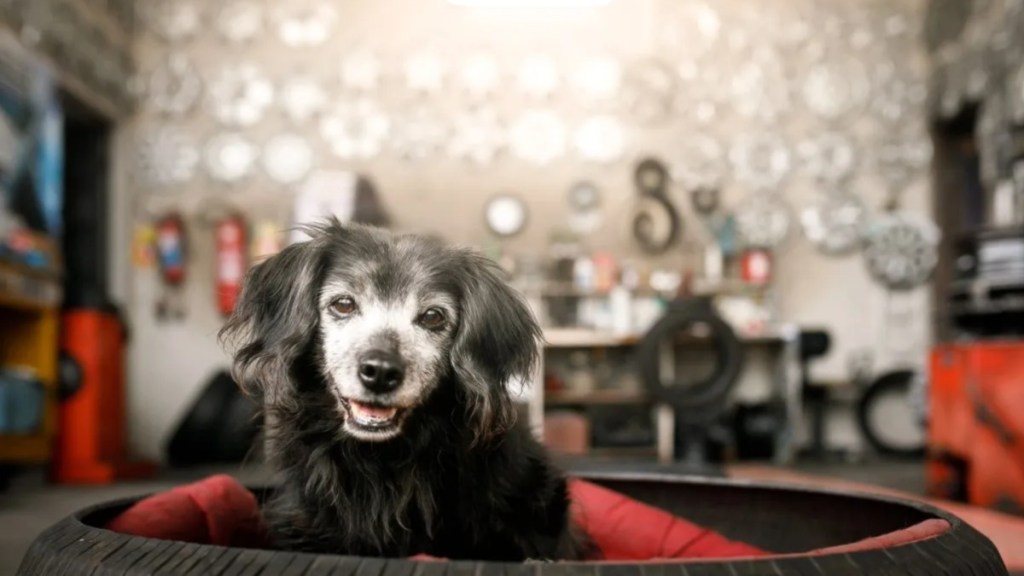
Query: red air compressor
pixel 91 444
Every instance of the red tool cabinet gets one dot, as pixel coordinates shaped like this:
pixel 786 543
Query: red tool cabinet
pixel 976 423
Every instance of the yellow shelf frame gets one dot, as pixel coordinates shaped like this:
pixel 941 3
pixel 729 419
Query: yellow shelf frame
pixel 29 337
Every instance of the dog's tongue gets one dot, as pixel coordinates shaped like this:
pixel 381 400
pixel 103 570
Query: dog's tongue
pixel 367 412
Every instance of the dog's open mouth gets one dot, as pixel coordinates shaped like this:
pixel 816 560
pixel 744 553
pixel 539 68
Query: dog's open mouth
pixel 372 418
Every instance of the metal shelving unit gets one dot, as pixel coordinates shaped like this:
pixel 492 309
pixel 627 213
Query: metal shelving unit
pixel 29 332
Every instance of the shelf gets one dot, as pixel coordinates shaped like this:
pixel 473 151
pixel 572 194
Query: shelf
pixel 602 452
pixel 28 449
pixel 17 302
pixel 27 291
pixel 1013 279
pixel 586 338
pixel 29 337
pixel 595 398
pixel 1006 304
pixel 568 290
pixel 700 288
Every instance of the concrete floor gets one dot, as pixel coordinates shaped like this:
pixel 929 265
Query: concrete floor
pixel 896 475
pixel 30 505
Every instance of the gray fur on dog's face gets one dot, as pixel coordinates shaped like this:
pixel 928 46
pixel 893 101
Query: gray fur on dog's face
pixel 395 304
pixel 384 321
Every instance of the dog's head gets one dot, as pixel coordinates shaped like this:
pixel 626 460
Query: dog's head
pixel 388 320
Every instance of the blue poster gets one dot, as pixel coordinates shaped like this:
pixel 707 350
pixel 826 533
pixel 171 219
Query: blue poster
pixel 31 146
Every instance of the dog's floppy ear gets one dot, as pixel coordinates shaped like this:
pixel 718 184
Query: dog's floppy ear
pixel 274 317
pixel 496 344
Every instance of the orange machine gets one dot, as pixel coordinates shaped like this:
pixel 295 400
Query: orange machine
pixel 91 447
pixel 976 424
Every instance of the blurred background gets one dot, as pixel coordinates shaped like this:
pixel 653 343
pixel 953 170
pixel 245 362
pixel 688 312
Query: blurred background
pixel 787 235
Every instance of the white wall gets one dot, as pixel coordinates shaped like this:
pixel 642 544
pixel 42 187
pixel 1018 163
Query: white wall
pixel 169 362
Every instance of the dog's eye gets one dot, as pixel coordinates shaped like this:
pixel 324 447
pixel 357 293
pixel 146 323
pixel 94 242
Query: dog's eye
pixel 344 306
pixel 432 319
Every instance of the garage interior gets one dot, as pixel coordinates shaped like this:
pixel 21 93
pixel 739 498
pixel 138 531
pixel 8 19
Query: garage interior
pixel 775 243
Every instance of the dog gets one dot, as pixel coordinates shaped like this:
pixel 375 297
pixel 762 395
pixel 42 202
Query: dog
pixel 383 364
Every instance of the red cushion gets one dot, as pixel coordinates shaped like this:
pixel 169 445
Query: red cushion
pixel 220 511
pixel 217 510
pixel 920 531
pixel 625 529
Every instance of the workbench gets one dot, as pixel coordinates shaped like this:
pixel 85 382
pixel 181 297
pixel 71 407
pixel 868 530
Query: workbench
pixel 780 344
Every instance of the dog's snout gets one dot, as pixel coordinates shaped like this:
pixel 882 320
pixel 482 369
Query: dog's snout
pixel 381 371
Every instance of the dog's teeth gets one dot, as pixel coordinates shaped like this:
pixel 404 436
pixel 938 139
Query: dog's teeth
pixel 372 414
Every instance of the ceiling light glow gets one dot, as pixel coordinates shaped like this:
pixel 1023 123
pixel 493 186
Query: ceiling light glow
pixel 531 3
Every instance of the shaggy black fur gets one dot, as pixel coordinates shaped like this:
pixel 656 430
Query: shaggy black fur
pixel 463 480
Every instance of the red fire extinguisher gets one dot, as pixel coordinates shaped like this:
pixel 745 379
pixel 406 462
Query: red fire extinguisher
pixel 231 241
pixel 756 267
pixel 171 257
pixel 170 248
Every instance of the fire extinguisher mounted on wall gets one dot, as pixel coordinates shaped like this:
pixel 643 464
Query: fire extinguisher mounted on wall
pixel 225 224
pixel 230 233
pixel 171 258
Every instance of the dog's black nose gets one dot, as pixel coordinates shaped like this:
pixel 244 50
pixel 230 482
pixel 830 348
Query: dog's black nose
pixel 381 371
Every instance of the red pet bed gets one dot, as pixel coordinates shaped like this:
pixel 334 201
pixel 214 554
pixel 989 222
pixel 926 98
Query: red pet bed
pixel 220 511
pixel 646 525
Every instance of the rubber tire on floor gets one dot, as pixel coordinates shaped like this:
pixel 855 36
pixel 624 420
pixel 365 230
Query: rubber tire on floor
pixel 702 398
pixel 811 519
pixel 220 426
pixel 898 381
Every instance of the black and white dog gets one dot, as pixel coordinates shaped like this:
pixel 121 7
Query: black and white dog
pixel 383 364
